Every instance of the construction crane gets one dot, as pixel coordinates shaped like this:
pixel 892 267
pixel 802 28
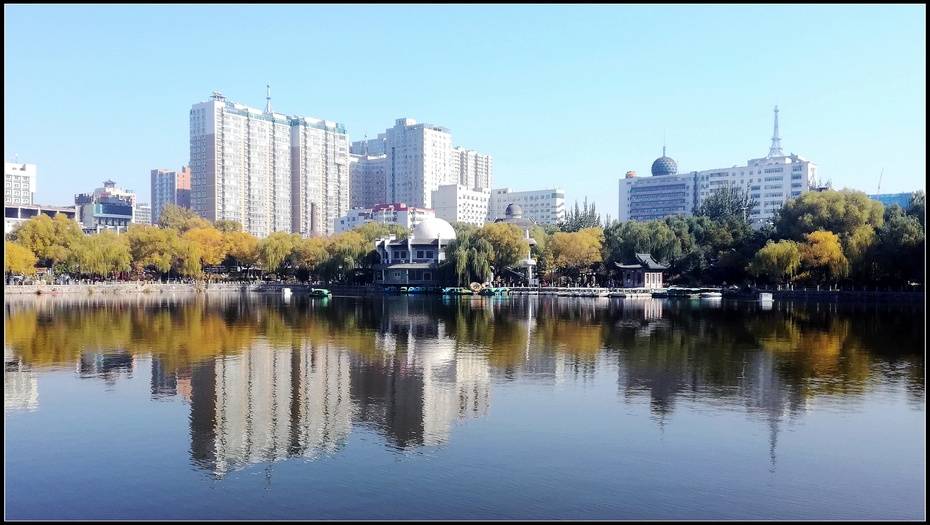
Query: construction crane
pixel 880 181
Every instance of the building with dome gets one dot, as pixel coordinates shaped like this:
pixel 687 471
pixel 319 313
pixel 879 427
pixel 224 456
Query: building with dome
pixel 414 261
pixel 523 270
pixel 770 181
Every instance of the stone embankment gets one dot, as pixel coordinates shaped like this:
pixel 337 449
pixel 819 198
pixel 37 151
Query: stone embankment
pixel 143 287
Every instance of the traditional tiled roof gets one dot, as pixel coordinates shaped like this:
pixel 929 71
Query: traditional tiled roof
pixel 645 262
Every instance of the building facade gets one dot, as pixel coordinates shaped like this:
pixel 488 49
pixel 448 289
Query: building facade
pixel 19 183
pixel 770 181
pixel 15 214
pixel 265 170
pixel 414 261
pixel 397 213
pixel 539 206
pixel 890 199
pixel 458 203
pixel 418 158
pixel 107 208
pixel 170 187
pixel 143 214
pixel 368 183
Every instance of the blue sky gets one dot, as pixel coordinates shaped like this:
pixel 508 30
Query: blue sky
pixel 568 96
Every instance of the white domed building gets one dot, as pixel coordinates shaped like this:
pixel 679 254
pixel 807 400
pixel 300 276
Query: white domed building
pixel 414 261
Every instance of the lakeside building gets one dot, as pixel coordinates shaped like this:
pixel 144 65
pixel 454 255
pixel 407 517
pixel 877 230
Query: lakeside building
pixel 170 187
pixel 645 272
pixel 397 213
pixel 770 181
pixel 890 199
pixel 19 183
pixel 417 159
pixel 458 203
pixel 524 268
pixel 265 170
pixel 414 260
pixel 16 214
pixel 107 208
pixel 540 206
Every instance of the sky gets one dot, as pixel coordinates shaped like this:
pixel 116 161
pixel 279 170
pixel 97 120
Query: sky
pixel 560 96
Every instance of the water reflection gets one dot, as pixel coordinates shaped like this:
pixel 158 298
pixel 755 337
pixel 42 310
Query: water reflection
pixel 267 380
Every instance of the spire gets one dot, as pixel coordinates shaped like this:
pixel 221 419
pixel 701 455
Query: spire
pixel 267 98
pixel 775 150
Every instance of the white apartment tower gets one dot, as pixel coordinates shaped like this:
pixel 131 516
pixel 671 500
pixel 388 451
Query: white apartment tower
pixel 19 183
pixel 368 183
pixel 416 159
pixel 265 170
pixel 459 203
pixel 540 206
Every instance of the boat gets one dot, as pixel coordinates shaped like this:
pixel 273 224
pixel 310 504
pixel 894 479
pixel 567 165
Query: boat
pixel 710 295
pixel 455 290
pixel 320 292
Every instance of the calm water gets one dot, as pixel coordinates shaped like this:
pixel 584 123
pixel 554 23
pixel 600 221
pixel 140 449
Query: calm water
pixel 399 407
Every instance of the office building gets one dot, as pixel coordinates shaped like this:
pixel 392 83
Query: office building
pixel 19 183
pixel 397 213
pixel 770 181
pixel 265 170
pixel 418 158
pixel 170 187
pixel 107 208
pixel 539 206
pixel 458 203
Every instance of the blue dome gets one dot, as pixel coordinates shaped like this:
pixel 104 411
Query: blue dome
pixel 664 166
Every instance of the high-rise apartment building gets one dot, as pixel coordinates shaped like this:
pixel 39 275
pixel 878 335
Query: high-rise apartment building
pixel 418 158
pixel 265 170
pixel 19 183
pixel 143 213
pixel 539 206
pixel 368 184
pixel 769 180
pixel 170 187
pixel 396 213
pixel 459 203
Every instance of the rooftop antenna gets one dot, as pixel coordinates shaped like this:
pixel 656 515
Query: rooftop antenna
pixel 267 98
pixel 775 150
pixel 663 142
pixel 879 190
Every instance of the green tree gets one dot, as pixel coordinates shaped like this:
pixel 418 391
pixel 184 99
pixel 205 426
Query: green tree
pixel 151 248
pixel 776 261
pixel 508 242
pixel 226 226
pixel 17 259
pixel 102 254
pixel 579 219
pixel 274 250
pixel 729 202
pixel 181 219
pixel 241 248
pixel 840 212
pixel 310 254
pixel 822 256
pixel 918 207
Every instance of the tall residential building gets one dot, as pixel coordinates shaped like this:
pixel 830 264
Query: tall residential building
pixel 107 208
pixel 19 183
pixel 265 170
pixel 397 213
pixel 418 158
pixel 143 214
pixel 769 180
pixel 539 206
pixel 367 184
pixel 170 187
pixel 459 203
pixel 472 169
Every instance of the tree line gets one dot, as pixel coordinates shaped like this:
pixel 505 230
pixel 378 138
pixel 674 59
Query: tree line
pixel 836 237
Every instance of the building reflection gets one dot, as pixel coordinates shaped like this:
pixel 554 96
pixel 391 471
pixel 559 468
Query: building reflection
pixel 108 366
pixel 20 383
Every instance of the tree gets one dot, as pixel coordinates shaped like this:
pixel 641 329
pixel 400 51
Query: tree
pixel 102 254
pixel 17 259
pixel 241 248
pixel 508 242
pixel 822 256
pixel 151 248
pixel 727 203
pixel 211 244
pixel 468 258
pixel 346 252
pixel 181 219
pixel 187 258
pixel 372 231
pixel 899 249
pixel 840 212
pixel 50 240
pixel 579 219
pixel 310 254
pixel 275 249
pixel 776 261
pixel 918 207
pixel 575 252
pixel 226 226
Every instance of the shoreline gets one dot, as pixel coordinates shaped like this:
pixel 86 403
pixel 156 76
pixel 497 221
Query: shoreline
pixel 149 288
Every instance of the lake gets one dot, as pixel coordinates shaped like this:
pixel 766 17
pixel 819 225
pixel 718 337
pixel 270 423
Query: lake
pixel 252 407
